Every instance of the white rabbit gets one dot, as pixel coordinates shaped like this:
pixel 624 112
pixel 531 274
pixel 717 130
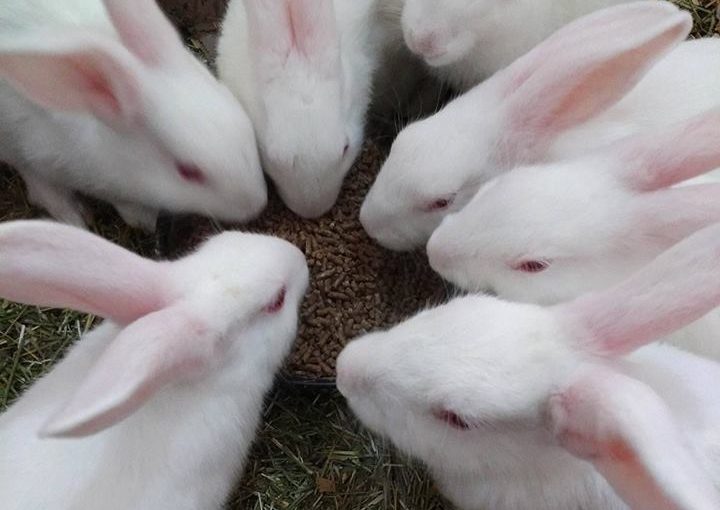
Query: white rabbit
pixel 169 390
pixel 303 69
pixel 499 398
pixel 466 41
pixel 549 233
pixel 538 110
pixel 101 97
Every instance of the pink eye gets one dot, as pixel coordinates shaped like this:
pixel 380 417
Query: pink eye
pixel 532 266
pixel 452 419
pixel 277 302
pixel 440 204
pixel 191 173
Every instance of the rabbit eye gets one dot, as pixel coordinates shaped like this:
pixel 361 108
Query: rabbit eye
pixel 440 204
pixel 191 173
pixel 346 149
pixel 277 302
pixel 452 419
pixel 532 266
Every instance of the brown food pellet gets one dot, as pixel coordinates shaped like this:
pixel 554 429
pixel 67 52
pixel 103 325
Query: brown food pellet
pixel 356 286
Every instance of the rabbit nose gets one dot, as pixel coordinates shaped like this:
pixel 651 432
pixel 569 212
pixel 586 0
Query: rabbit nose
pixel 439 256
pixel 370 222
pixel 425 44
pixel 352 371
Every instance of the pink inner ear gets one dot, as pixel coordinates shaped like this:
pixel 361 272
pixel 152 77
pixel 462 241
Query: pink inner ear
pixel 313 29
pixel 670 215
pixel 618 463
pixel 620 451
pixel 145 31
pixel 77 72
pixel 271 35
pixel 49 264
pixel 90 420
pixel 294 23
pixel 630 435
pixel 97 86
pixel 160 348
pixel 683 151
pixel 675 289
pixel 585 68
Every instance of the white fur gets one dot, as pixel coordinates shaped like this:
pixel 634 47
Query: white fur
pixel 593 220
pixel 490 129
pixel 467 41
pixel 184 116
pixel 183 448
pixel 305 111
pixel 539 386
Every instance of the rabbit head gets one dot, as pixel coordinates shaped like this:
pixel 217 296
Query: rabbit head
pixel 144 118
pixel 481 389
pixel 310 109
pixel 231 305
pixel 548 233
pixel 437 164
pixel 443 32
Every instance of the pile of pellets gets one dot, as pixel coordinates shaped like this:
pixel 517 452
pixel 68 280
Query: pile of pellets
pixel 356 286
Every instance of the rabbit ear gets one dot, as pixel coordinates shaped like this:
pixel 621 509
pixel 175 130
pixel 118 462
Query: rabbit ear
pixel 167 346
pixel 305 28
pixel 691 208
pixel 588 66
pixel 627 432
pixel 658 160
pixel 678 287
pixel 73 72
pixel 145 30
pixel 49 264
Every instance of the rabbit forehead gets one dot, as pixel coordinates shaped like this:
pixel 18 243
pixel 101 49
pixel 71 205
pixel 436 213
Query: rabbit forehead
pixel 432 157
pixel 555 211
pixel 197 118
pixel 318 108
pixel 476 355
pixel 243 267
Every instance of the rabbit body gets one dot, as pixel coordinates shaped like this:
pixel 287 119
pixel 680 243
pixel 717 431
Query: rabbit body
pixel 507 456
pixel 23 117
pixel 529 235
pixel 527 470
pixel 133 118
pixel 157 407
pixel 182 451
pixel 476 38
pixel 584 87
pixel 309 64
pixel 520 406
